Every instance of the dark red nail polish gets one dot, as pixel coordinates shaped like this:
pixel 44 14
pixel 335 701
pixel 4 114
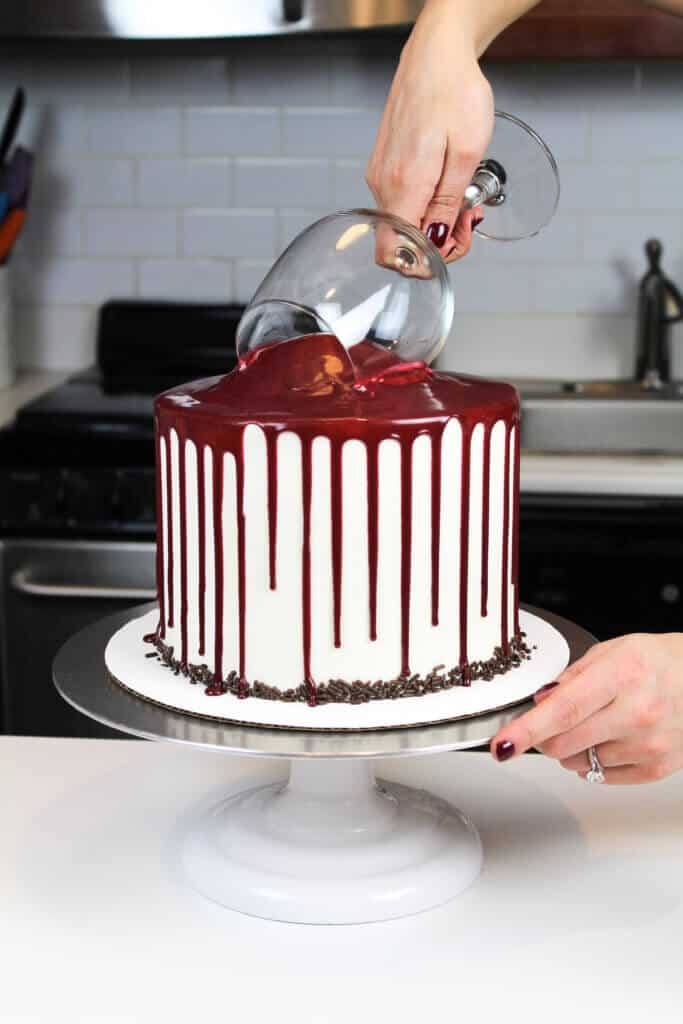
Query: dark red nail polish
pixel 437 234
pixel 476 221
pixel 504 750
pixel 545 689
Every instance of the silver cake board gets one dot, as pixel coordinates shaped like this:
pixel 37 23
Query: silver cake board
pixel 332 845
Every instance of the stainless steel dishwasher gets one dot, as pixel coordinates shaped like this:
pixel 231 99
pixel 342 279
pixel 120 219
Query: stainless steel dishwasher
pixel 51 590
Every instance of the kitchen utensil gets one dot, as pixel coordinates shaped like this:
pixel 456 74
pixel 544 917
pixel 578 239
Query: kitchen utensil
pixel 11 123
pixel 9 231
pixel 518 182
pixel 15 177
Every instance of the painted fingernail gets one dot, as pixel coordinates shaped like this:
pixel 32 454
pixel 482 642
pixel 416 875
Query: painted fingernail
pixel 544 691
pixel 476 221
pixel 437 233
pixel 504 750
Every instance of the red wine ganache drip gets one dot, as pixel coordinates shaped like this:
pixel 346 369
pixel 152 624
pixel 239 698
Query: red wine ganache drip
pixel 515 528
pixel 161 586
pixel 406 548
pixel 201 546
pixel 505 640
pixel 271 456
pixel 182 487
pixel 436 449
pixel 313 387
pixel 337 533
pixel 373 538
pixel 169 528
pixel 217 467
pixel 485 510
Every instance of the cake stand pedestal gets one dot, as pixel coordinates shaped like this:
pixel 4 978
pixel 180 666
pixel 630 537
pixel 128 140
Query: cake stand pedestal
pixel 332 844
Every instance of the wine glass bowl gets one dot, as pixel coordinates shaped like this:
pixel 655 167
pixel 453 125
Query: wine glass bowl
pixel 360 275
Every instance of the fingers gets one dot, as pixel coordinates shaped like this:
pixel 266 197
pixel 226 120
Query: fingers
pixel 639 774
pixel 565 709
pixel 633 750
pixel 442 213
pixel 607 724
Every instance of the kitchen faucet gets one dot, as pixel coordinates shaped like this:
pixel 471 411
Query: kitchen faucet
pixel 659 304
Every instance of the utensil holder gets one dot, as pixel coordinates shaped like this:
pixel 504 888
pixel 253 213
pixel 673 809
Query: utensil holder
pixel 6 356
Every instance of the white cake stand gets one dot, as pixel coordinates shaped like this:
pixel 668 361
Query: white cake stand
pixel 332 845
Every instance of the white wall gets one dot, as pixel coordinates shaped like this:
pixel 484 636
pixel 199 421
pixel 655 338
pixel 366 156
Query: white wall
pixel 172 173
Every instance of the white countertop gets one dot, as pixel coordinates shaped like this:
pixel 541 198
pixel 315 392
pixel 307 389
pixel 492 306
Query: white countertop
pixel 577 916
pixel 651 475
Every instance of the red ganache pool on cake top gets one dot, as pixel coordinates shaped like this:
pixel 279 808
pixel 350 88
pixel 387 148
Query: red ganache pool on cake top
pixel 337 526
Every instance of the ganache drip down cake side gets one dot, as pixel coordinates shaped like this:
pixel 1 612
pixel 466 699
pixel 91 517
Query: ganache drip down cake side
pixel 337 526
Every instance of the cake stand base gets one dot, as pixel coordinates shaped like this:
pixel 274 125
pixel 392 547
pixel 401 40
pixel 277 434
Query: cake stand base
pixel 332 846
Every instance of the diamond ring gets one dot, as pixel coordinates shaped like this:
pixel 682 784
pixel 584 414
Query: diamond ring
pixel 595 772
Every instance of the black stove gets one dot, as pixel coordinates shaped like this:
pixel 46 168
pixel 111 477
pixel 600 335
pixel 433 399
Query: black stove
pixel 79 460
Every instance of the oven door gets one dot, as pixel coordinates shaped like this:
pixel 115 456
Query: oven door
pixel 51 590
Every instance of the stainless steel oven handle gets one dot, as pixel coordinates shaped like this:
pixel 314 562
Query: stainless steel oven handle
pixel 21 581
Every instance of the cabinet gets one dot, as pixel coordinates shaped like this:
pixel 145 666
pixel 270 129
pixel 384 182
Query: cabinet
pixel 581 28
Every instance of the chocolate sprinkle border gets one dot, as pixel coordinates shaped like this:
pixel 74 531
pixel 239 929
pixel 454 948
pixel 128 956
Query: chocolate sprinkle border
pixel 339 691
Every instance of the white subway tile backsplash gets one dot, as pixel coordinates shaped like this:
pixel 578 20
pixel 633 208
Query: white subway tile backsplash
pixel 53 337
pixel 88 80
pixel 598 186
pixel 319 132
pixel 637 135
pixel 52 231
pixel 72 281
pixel 659 186
pixel 281 182
pixel 350 190
pixel 133 132
pixel 547 346
pixel 491 289
pixel 248 276
pixel 83 181
pixel 174 174
pixel 293 222
pixel 359 82
pixel 131 232
pixel 161 80
pixel 230 234
pixel 585 289
pixel 297 76
pixel 183 182
pixel 186 280
pixel 565 131
pixel 558 242
pixel 232 132
pixel 613 240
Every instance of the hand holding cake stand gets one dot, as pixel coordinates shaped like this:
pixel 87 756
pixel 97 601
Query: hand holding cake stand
pixel 337 532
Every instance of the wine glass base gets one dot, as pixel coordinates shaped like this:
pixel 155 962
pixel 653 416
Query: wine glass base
pixel 332 846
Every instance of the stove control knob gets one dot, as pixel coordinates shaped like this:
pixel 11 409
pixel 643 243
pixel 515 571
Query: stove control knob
pixel 670 593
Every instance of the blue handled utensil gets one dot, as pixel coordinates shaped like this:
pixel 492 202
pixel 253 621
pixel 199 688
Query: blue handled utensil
pixel 15 177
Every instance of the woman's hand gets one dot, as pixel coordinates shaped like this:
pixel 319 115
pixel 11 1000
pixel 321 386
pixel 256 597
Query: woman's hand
pixel 624 697
pixel 435 128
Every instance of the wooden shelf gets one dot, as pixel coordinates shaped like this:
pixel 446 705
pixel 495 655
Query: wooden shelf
pixel 579 28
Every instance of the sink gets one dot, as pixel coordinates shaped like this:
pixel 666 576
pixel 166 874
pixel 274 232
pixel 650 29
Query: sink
pixel 601 416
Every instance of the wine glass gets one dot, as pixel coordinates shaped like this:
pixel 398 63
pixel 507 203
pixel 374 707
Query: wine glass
pixel 518 181
pixel 361 275
pixel 368 276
